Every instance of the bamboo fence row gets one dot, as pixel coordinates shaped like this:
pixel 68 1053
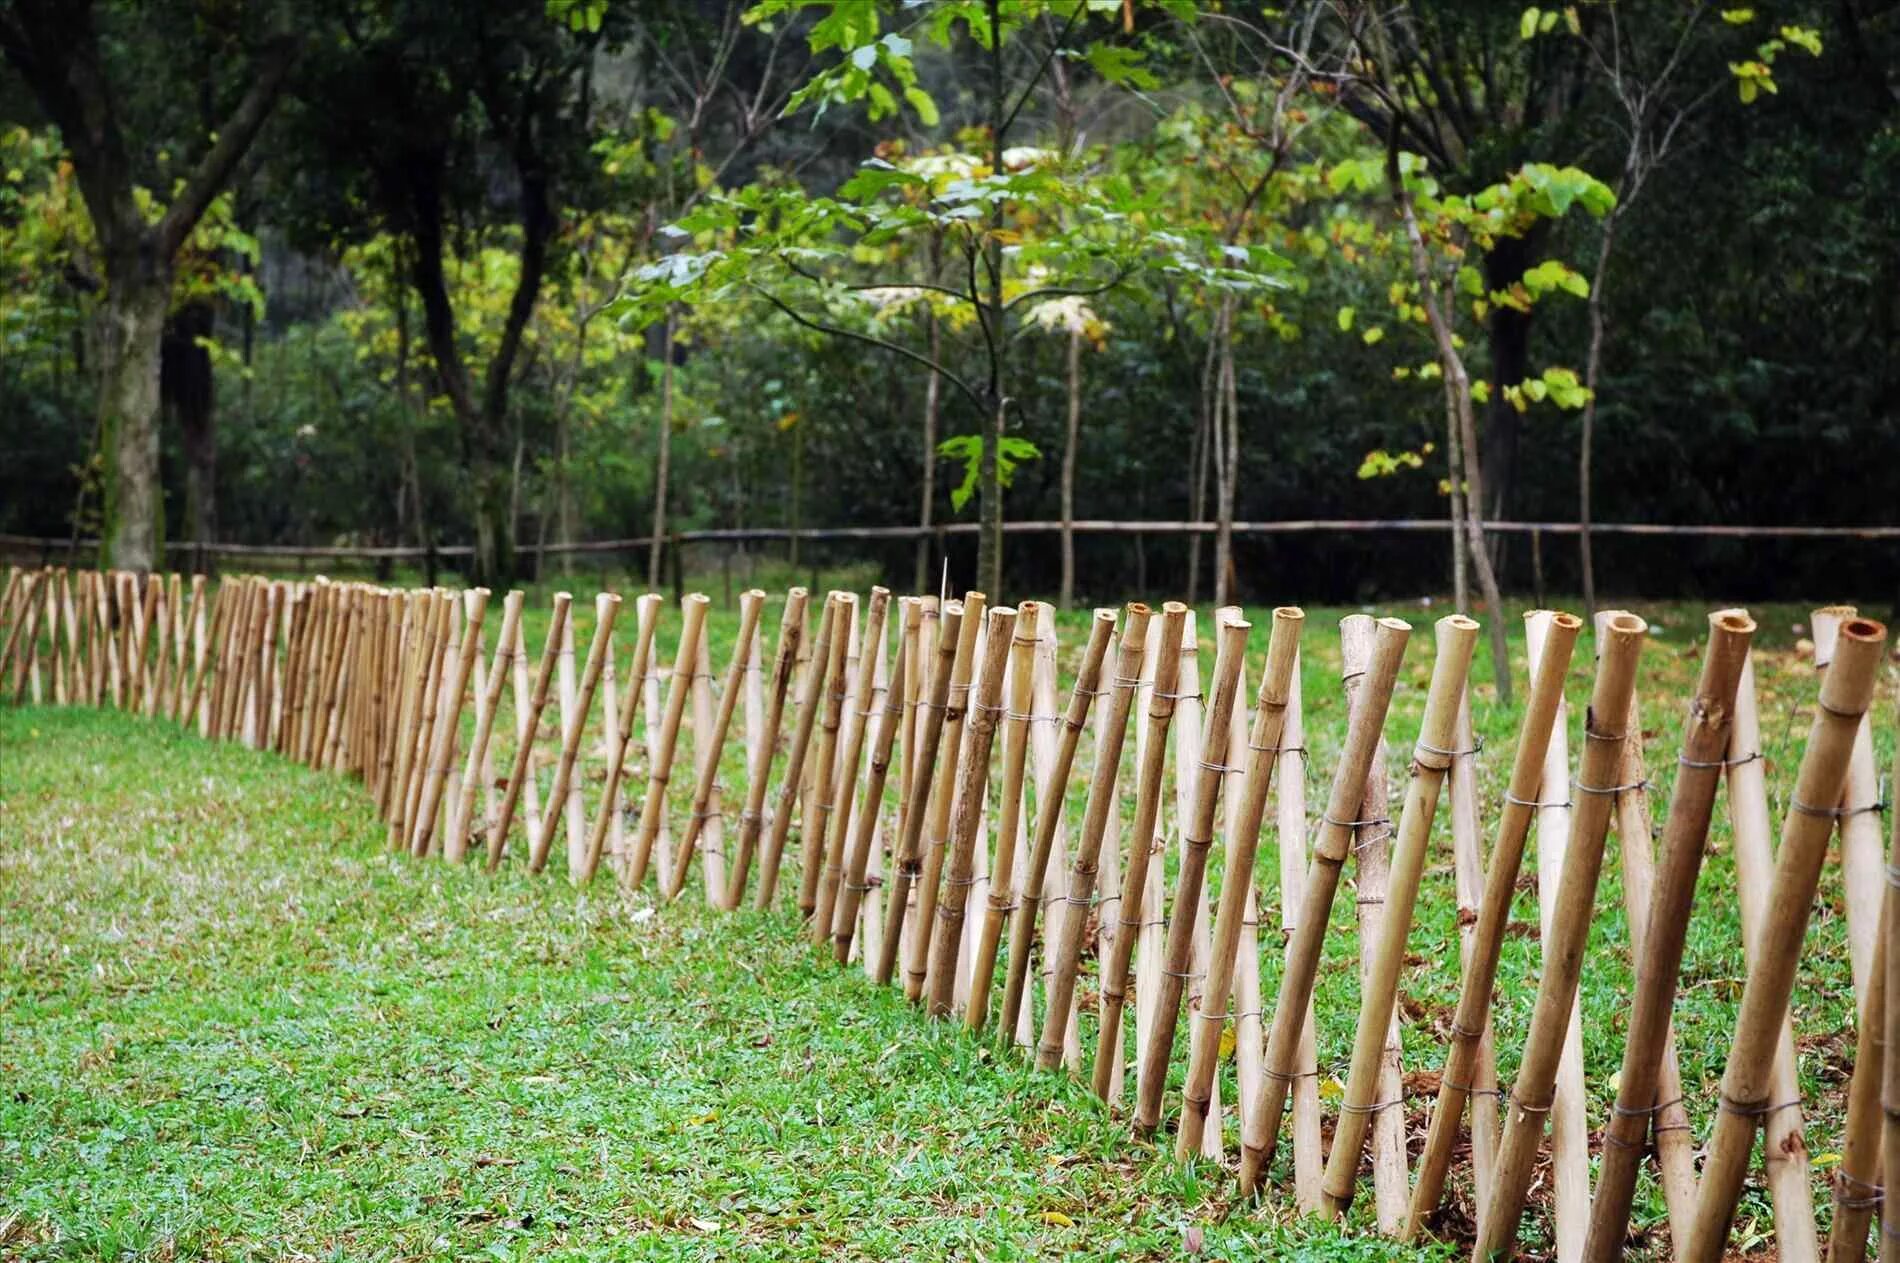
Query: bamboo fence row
pixel 964 833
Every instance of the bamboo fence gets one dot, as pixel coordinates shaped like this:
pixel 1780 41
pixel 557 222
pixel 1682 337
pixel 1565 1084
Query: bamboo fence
pixel 930 773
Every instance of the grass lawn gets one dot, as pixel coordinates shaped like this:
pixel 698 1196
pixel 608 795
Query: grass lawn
pixel 231 1026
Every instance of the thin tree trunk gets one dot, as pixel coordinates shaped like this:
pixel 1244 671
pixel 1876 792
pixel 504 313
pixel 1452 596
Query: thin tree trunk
pixel 663 458
pixel 1205 424
pixel 933 404
pixel 1592 374
pixel 989 562
pixel 1227 474
pixel 1071 437
pixel 132 325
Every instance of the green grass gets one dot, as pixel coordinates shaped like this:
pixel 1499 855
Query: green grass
pixel 232 1027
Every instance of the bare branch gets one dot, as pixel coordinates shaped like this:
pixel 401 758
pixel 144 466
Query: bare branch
pixel 871 339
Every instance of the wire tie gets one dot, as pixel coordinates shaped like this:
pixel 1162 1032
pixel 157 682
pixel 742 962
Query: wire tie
pixel 1509 797
pixel 1578 785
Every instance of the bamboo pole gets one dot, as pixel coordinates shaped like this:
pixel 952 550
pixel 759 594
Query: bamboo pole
pixel 1666 918
pixel 341 699
pixel 888 686
pixel 809 703
pixel 1431 758
pixel 25 637
pixel 967 811
pixel 444 741
pixel 197 710
pixel 1472 1018
pixel 529 721
pixel 1197 838
pixel 1748 1078
pixel 1565 935
pixel 487 704
pixel 647 608
pixel 1292 1004
pixel 907 860
pixel 1290 825
pixel 1372 860
pixel 1049 803
pixel 1859 820
pixel 1858 1190
pixel 714 742
pixel 816 833
pixel 855 887
pixel 849 757
pixel 1005 893
pixel 1053 904
pixel 660 760
pixel 955 721
pixel 606 608
pixel 1102 802
pixel 1468 875
pixel 791 631
pixel 1890 1037
pixel 414 754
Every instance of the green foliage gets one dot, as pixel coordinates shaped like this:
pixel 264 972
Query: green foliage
pixel 1011 451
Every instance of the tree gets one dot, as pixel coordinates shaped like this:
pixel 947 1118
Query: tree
pixel 77 59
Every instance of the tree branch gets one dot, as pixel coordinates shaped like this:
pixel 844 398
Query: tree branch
pixel 234 138
pixel 870 339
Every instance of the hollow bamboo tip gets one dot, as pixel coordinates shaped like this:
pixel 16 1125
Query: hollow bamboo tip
pixel 1104 616
pixel 604 602
pixel 1732 623
pixel 1173 609
pixel 1849 685
pixel 1824 628
pixel 1291 616
pixel 1457 626
pixel 561 600
pixel 1623 625
pixel 797 592
pixel 752 594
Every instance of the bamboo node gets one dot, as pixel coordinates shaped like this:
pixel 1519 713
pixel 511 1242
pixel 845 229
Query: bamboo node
pixel 1837 712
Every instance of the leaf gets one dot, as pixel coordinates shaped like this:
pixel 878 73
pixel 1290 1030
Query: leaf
pixel 1345 319
pixel 921 102
pixel 1057 1219
pixel 1527 24
pixel 1373 336
pixel 1738 17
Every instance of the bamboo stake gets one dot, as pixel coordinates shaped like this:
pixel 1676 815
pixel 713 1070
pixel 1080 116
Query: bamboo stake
pixel 442 752
pixel 888 687
pixel 845 774
pixel 1431 759
pixel 907 863
pixel 1785 1154
pixel 955 720
pixel 487 704
pixel 341 699
pixel 1330 848
pixel 1049 800
pixel 606 607
pixel 1668 1127
pixel 1890 1037
pixel 791 630
pixel 1666 917
pixel 1468 876
pixel 1151 927
pixel 816 831
pixel 809 703
pixel 853 890
pixel 26 634
pixel 967 811
pixel 529 721
pixel 750 603
pixel 647 609
pixel 1005 893
pixel 1197 837
pixel 1372 858
pixel 660 762
pixel 712 823
pixel 1747 1080
pixel 197 711
pixel 1290 827
pixel 567 717
pixel 1054 902
pixel 1859 821
pixel 1565 935
pixel 416 742
pixel 1857 1181
pixel 1534 742
pixel 1102 802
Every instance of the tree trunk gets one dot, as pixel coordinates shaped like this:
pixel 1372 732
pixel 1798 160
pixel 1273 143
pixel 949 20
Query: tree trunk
pixel 187 386
pixel 132 330
pixel 664 457
pixel 1509 334
pixel 1592 373
pixel 1205 422
pixel 927 496
pixel 1070 440
pixel 989 549
pixel 1227 473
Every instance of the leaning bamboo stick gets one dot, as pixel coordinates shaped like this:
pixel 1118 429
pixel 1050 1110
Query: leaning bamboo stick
pixel 967 811
pixel 1890 1036
pixel 660 761
pixel 955 720
pixel 810 701
pixel 791 630
pixel 1747 1079
pixel 1565 934
pixel 647 609
pixel 1659 959
pixel 1372 860
pixel 855 886
pixel 1005 893
pixel 487 704
pixel 850 755
pixel 868 937
pixel 1859 820
pixel 28 643
pixel 1053 902
pixel 816 834
pixel 442 750
pixel 1500 883
pixel 606 607
pixel 714 741
pixel 416 741
pixel 529 722
pixel 1102 802
pixel 1858 1191
pixel 197 712
pixel 1468 876
pixel 1290 1008
pixel 1141 841
pixel 1289 810
pixel 1197 838
pixel 1431 759
pixel 907 859
pixel 1049 802
pixel 1668 1126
